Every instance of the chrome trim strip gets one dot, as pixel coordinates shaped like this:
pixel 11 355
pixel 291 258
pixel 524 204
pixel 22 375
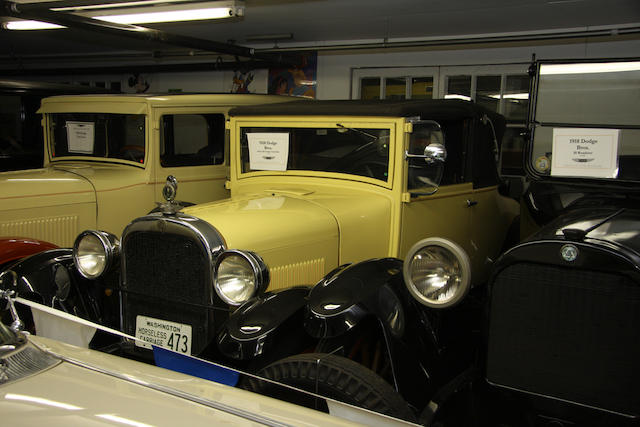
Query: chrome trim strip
pixel 206 232
pixel 584 405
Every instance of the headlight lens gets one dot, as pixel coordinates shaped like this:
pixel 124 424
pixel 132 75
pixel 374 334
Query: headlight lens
pixel 94 253
pixel 437 272
pixel 239 276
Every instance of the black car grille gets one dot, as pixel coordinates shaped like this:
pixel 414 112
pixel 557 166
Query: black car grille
pixel 167 276
pixel 567 334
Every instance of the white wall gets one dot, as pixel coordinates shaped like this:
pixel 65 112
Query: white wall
pixel 335 69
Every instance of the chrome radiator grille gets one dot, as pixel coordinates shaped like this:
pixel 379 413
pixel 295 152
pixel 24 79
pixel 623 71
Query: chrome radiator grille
pixel 167 276
pixel 566 333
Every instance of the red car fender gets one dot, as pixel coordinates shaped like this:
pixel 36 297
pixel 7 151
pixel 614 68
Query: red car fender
pixel 14 248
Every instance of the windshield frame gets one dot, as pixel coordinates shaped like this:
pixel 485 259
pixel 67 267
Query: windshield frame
pixel 50 140
pixel 538 166
pixel 339 122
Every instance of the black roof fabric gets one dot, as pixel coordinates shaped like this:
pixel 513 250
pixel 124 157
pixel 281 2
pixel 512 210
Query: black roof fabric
pixel 425 109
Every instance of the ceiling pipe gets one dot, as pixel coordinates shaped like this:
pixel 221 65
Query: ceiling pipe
pixel 139 69
pixel 631 30
pixel 23 11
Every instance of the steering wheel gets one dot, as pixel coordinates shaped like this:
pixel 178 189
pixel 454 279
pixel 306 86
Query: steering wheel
pixel 132 152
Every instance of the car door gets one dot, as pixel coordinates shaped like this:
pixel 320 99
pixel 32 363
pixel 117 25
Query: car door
pixel 490 211
pixel 445 213
pixel 193 147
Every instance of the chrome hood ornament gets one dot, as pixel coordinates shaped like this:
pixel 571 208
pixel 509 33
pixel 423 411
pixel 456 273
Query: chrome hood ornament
pixel 169 192
pixel 8 283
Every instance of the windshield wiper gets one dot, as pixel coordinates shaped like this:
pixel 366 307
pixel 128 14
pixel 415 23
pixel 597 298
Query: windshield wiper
pixel 360 131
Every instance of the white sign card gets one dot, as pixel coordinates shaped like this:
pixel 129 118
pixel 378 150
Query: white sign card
pixel 585 152
pixel 268 151
pixel 80 137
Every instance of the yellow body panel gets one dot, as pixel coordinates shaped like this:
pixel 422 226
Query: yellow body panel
pixel 306 223
pixel 47 204
pixel 80 193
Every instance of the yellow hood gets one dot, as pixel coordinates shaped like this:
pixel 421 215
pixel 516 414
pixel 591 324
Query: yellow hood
pixel 301 236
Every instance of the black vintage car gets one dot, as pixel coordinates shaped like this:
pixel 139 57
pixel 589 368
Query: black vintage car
pixel 564 308
pixel 552 340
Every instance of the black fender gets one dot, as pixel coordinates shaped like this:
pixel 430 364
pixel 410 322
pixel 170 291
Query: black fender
pixel 253 328
pixel 344 308
pixel 340 301
pixel 50 278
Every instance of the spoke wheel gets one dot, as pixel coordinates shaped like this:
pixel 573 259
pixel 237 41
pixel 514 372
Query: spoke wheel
pixel 331 376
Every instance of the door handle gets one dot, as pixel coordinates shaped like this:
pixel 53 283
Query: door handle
pixel 471 203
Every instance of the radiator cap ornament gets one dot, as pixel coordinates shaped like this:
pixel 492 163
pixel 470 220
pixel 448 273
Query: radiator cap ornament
pixel 169 192
pixel 569 252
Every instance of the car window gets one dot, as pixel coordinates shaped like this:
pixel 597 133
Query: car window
pixel 343 149
pixel 421 175
pixel 115 136
pixel 21 138
pixel 192 140
pixel 484 158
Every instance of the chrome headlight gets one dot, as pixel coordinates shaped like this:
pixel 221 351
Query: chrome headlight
pixel 94 252
pixel 437 272
pixel 239 276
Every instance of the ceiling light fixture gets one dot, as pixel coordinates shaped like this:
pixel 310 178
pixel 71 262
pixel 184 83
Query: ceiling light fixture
pixel 269 37
pixel 143 12
pixel 588 68
pixel 116 5
pixel 29 25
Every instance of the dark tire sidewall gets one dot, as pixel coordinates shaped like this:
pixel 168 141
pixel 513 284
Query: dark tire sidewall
pixel 332 376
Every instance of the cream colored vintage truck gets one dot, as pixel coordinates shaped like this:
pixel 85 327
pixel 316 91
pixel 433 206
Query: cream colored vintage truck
pixel 107 157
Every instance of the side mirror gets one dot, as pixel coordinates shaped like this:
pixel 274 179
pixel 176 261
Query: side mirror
pixel 434 153
pixel 425 180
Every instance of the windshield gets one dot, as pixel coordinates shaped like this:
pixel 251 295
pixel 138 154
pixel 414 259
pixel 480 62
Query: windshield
pixel 587 120
pixel 342 149
pixel 101 135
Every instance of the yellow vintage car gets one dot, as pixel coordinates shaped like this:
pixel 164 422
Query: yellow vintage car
pixel 314 185
pixel 106 158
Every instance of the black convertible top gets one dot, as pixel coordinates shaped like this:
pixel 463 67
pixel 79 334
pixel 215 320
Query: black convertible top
pixel 425 109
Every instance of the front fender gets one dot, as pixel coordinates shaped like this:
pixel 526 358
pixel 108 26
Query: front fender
pixel 339 302
pixel 15 248
pixel 250 330
pixel 367 304
pixel 51 278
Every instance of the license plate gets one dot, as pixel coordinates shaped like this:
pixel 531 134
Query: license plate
pixel 162 333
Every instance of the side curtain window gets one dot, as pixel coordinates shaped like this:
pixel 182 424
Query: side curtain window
pixel 485 170
pixel 192 140
pixel 423 176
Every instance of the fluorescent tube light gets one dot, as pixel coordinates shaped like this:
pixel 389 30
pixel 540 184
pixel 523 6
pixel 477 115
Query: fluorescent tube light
pixel 588 68
pixel 169 16
pixel 143 12
pixel 116 5
pixel 463 97
pixel 30 25
pixel 511 96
